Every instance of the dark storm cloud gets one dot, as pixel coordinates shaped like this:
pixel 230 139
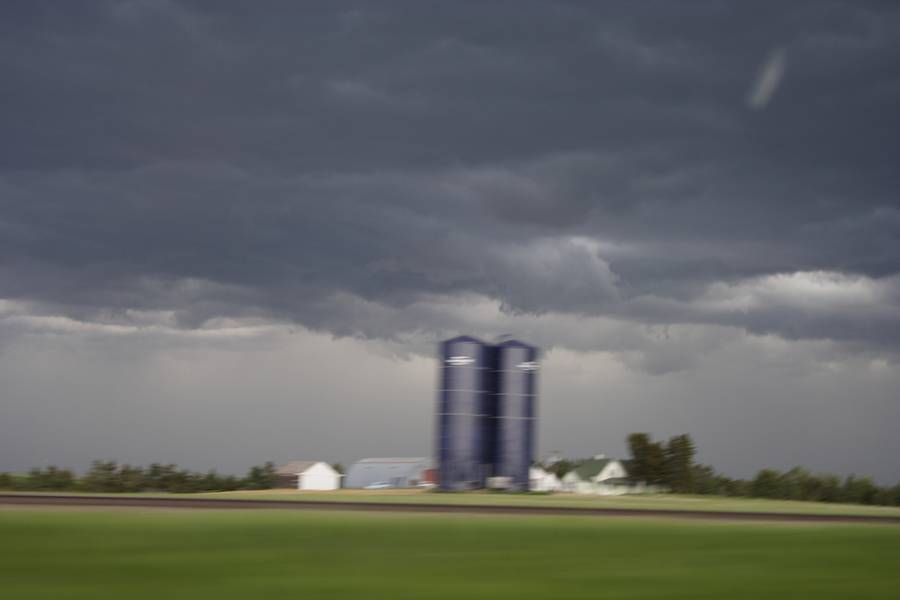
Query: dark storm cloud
pixel 704 192
pixel 214 160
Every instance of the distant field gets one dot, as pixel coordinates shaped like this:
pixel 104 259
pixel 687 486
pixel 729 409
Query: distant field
pixel 647 502
pixel 97 555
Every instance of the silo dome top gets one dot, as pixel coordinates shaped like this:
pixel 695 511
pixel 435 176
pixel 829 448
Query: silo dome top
pixel 463 338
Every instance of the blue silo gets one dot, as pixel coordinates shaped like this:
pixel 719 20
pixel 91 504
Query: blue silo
pixel 514 411
pixel 463 413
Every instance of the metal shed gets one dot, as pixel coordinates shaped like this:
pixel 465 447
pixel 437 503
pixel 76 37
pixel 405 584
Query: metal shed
pixel 395 472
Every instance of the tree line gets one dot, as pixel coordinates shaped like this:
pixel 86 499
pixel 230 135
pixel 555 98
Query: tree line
pixel 109 476
pixel 672 464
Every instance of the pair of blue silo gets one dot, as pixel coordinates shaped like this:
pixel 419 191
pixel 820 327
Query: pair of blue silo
pixel 486 413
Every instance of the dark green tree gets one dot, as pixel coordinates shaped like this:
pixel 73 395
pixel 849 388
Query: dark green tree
pixel 705 480
pixel 131 479
pixel 49 479
pixel 260 477
pixel 766 484
pixel 895 495
pixel 827 488
pixel 103 476
pixel 638 444
pixel 679 461
pixel 648 459
pixel 858 490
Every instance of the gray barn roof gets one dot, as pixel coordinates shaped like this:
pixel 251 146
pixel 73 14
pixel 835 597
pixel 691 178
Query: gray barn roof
pixel 593 467
pixel 295 467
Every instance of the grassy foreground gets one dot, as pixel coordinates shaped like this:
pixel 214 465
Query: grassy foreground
pixel 89 554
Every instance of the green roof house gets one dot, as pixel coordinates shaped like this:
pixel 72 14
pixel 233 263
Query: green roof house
pixel 599 475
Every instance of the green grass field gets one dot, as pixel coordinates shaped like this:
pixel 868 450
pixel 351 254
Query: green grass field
pixel 649 501
pixel 91 554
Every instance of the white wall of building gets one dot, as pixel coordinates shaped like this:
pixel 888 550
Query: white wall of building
pixel 613 470
pixel 604 483
pixel 320 476
pixel 540 480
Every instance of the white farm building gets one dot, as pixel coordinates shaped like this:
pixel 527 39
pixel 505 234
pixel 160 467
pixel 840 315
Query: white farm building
pixel 308 475
pixel 600 475
pixel 540 480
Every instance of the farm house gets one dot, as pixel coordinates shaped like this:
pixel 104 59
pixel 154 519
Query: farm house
pixel 308 475
pixel 600 475
pixel 540 480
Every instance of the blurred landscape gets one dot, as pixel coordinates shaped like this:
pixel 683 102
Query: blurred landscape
pixel 500 299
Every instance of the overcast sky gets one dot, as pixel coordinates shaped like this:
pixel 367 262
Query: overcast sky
pixel 233 232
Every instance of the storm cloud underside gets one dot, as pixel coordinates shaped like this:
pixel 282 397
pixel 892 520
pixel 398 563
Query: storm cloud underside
pixel 692 208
